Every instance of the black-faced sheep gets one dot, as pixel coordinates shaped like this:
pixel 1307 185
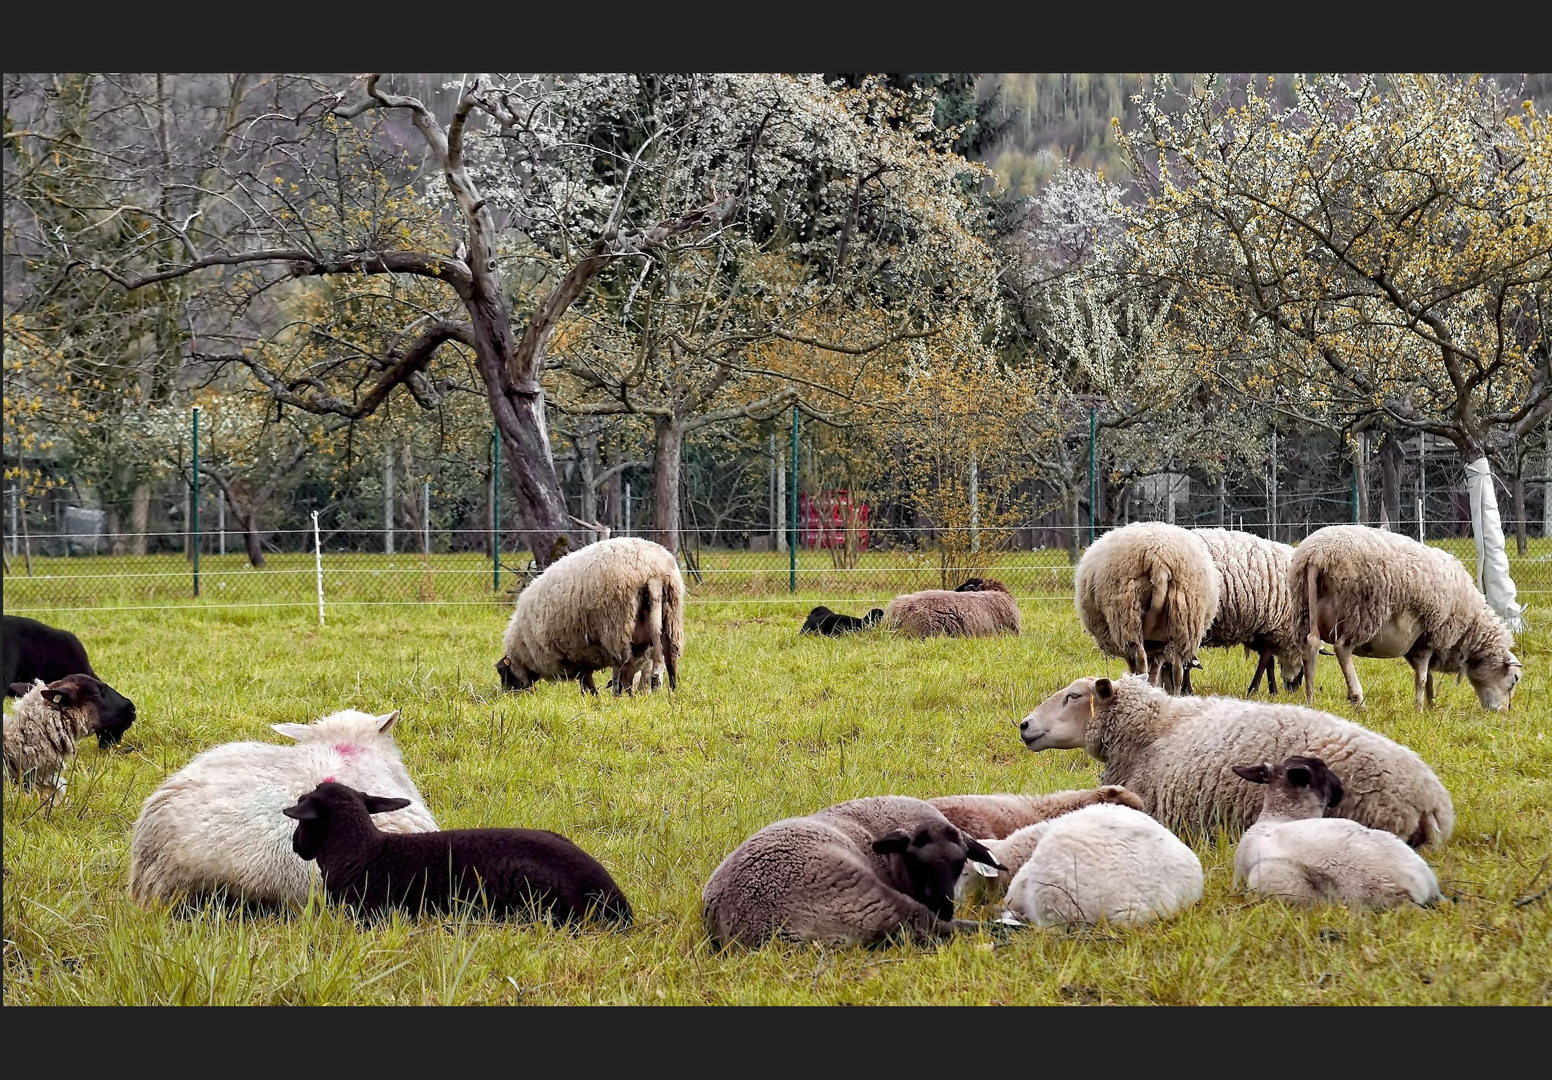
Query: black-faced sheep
pixel 1146 593
pixel 824 621
pixel 1372 592
pixel 982 612
pixel 521 873
pixel 1255 608
pixel 616 604
pixel 1294 853
pixel 1178 755
pixel 35 650
pixel 850 874
pixel 215 826
pixel 41 732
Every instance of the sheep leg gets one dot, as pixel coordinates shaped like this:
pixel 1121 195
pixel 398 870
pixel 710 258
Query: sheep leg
pixel 585 677
pixel 1185 685
pixel 1312 639
pixel 1422 678
pixel 1344 659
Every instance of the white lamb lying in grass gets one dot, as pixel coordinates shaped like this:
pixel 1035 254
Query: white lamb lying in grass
pixel 1294 854
pixel 1102 863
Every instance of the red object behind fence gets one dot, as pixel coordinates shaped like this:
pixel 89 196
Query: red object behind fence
pixel 824 519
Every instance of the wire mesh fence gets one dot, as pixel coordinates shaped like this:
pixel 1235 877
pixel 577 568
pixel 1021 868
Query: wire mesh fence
pixel 301 568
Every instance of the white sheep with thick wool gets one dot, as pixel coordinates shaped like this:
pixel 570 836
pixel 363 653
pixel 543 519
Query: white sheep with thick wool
pixel 1178 755
pixel 616 604
pixel 1255 608
pixel 215 826
pixel 1374 593
pixel 1103 863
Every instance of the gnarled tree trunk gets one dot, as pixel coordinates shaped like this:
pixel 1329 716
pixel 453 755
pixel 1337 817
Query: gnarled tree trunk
pixel 667 446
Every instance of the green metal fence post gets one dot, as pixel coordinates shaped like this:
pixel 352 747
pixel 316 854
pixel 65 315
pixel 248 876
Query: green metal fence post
pixel 792 546
pixel 1093 488
pixel 495 510
pixel 194 504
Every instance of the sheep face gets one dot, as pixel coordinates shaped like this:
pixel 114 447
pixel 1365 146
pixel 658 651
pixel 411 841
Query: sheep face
pixel 514 678
pixel 934 857
pixel 1062 721
pixel 1297 787
pixel 94 707
pixel 1494 679
pixel 313 812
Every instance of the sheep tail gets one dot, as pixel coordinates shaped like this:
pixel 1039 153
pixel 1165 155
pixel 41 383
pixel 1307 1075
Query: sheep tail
pixel 665 617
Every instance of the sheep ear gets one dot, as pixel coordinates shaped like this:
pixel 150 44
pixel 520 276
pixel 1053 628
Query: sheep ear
pixel 64 696
pixel 1256 774
pixel 381 804
pixel 290 731
pixel 302 811
pixel 981 855
pixel 388 720
pixel 893 843
pixel 20 689
pixel 1104 689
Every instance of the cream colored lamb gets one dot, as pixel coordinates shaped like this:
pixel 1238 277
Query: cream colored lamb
pixel 1294 853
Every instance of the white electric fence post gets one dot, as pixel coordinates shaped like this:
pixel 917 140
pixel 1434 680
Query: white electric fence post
pixel 318 561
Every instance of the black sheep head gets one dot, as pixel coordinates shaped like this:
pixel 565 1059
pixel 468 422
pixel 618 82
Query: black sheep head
pixel 107 712
pixel 514 678
pixel 328 801
pixel 934 857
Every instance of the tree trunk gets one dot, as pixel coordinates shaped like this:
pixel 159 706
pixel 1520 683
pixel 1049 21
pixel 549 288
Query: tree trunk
pixel 667 447
pixel 1360 473
pixel 1390 480
pixel 1517 508
pixel 254 541
pixel 115 537
pixel 139 517
pixel 587 465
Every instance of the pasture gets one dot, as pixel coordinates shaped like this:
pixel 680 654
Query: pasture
pixel 766 724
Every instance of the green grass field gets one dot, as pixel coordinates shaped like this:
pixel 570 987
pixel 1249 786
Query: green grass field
pixel 765 724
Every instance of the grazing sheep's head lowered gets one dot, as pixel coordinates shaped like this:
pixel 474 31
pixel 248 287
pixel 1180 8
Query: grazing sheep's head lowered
pixel 313 811
pixel 1494 679
pixel 934 857
pixel 1297 787
pixel 514 679
pixel 96 708
pixel 1065 720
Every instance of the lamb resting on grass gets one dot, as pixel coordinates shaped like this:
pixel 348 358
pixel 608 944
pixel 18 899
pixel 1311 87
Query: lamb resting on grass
pixel 1101 863
pixel 850 874
pixel 216 827
pixel 42 731
pixel 822 620
pixel 1178 755
pixel 1371 592
pixel 1294 853
pixel 1146 593
pixel 616 604
pixel 522 873
pixel 980 612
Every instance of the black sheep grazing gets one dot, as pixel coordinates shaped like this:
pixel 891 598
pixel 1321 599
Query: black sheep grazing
pixel 34 650
pixel 516 872
pixel 824 621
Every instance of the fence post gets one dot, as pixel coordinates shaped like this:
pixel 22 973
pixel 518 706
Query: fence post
pixel 1271 517
pixel 1422 481
pixel 318 562
pixel 221 518
pixel 425 519
pixel 627 508
pixel 495 510
pixel 388 501
pixel 792 546
pixel 1419 521
pixel 15 528
pixel 194 504
pixel 975 505
pixel 1093 479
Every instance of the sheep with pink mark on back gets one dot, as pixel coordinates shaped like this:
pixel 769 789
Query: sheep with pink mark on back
pixel 215 826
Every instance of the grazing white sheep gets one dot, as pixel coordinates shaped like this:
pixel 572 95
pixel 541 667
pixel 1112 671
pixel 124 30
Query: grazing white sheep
pixel 1178 755
pixel 616 604
pixel 1372 592
pixel 1101 863
pixel 850 874
pixel 986 610
pixel 216 825
pixel 1255 608
pixel 1296 854
pixel 1146 593
pixel 41 733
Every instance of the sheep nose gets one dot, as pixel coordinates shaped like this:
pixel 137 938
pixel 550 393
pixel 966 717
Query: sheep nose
pixel 1024 725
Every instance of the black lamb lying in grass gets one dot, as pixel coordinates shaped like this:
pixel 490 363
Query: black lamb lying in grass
pixel 522 873
pixel 824 621
pixel 34 650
